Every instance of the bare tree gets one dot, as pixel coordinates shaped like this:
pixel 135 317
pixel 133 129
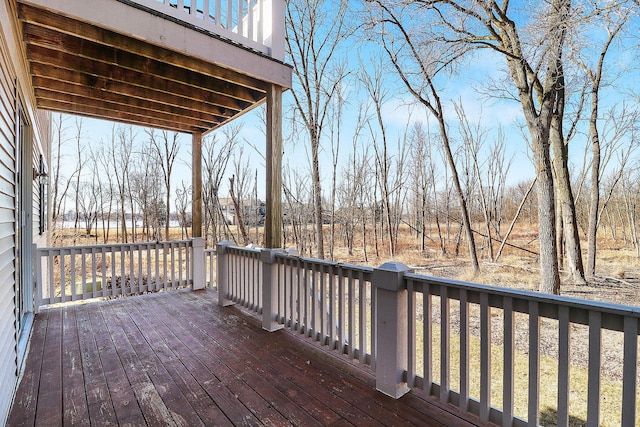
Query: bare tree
pixel 87 197
pixel 60 183
pixel 315 29
pixel 147 193
pixel 473 137
pixel 533 51
pixel 239 184
pixel 336 116
pixel 183 201
pixel 101 162
pixel 298 211
pixel 121 150
pixel 417 61
pixel 166 148
pixel 216 153
pixel 422 181
pixel 351 193
pixel 80 159
pixel 374 85
pixel 613 17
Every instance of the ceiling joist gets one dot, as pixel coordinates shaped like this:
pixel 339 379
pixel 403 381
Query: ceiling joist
pixel 79 67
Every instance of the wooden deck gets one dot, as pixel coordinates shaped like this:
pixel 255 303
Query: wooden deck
pixel 177 358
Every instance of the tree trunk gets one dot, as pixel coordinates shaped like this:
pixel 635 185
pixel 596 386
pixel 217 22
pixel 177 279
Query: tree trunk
pixel 549 271
pixel 567 206
pixel 594 202
pixel 317 196
pixel 466 220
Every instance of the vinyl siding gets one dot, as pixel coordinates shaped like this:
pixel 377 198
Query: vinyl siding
pixel 8 356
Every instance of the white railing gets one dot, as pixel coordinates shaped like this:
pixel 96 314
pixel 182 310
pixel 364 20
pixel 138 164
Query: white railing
pixel 74 273
pixel 401 324
pixel 258 24
pixel 527 312
pixel 326 302
pixel 242 276
pixel 210 267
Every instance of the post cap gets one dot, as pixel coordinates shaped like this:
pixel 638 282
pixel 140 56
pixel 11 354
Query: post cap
pixel 390 276
pixel 221 247
pixel 269 255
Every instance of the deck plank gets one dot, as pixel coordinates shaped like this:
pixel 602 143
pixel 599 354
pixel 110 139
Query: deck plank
pixel 74 397
pixel 177 358
pixel 125 404
pixel 278 373
pixel 100 405
pixel 24 406
pixel 256 408
pixel 49 406
pixel 321 381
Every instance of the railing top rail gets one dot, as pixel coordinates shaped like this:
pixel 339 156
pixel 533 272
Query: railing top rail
pixel 327 263
pixel 244 249
pixel 545 299
pixel 44 250
pixel 571 302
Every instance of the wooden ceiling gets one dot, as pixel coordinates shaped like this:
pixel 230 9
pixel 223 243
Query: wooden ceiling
pixel 82 68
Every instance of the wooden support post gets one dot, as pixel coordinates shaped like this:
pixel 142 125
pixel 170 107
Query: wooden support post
pixel 391 328
pixel 196 199
pixel 273 220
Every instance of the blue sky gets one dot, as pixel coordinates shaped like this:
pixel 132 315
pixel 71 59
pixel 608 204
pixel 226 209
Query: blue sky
pixel 400 106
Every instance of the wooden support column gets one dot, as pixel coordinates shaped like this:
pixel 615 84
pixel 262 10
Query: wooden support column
pixel 196 182
pixel 273 220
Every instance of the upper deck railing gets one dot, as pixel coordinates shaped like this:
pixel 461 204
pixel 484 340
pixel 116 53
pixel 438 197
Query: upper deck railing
pixel 257 24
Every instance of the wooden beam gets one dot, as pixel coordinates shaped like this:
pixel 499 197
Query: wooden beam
pixel 47 18
pixel 46 37
pixel 50 57
pixel 100 113
pixel 273 220
pixel 118 16
pixel 196 199
pixel 143 104
pixel 120 110
pixel 187 100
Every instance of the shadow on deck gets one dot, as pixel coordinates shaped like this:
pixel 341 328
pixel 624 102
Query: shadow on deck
pixel 177 358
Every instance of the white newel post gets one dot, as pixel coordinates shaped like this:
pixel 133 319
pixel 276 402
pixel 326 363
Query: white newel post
pixel 391 328
pixel 197 263
pixel 269 290
pixel 222 275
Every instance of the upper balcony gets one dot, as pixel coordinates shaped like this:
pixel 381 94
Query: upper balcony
pixel 183 65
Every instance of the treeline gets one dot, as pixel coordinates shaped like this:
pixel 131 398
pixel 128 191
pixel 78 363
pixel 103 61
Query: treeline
pixel 567 66
pixel 357 217
pixel 563 72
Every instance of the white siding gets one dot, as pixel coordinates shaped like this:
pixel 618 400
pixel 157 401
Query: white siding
pixel 8 357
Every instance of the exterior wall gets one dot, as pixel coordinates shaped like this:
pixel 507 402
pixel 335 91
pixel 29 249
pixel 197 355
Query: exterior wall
pixel 15 88
pixel 8 339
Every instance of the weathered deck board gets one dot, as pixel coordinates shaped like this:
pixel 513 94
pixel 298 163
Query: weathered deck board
pixel 176 358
